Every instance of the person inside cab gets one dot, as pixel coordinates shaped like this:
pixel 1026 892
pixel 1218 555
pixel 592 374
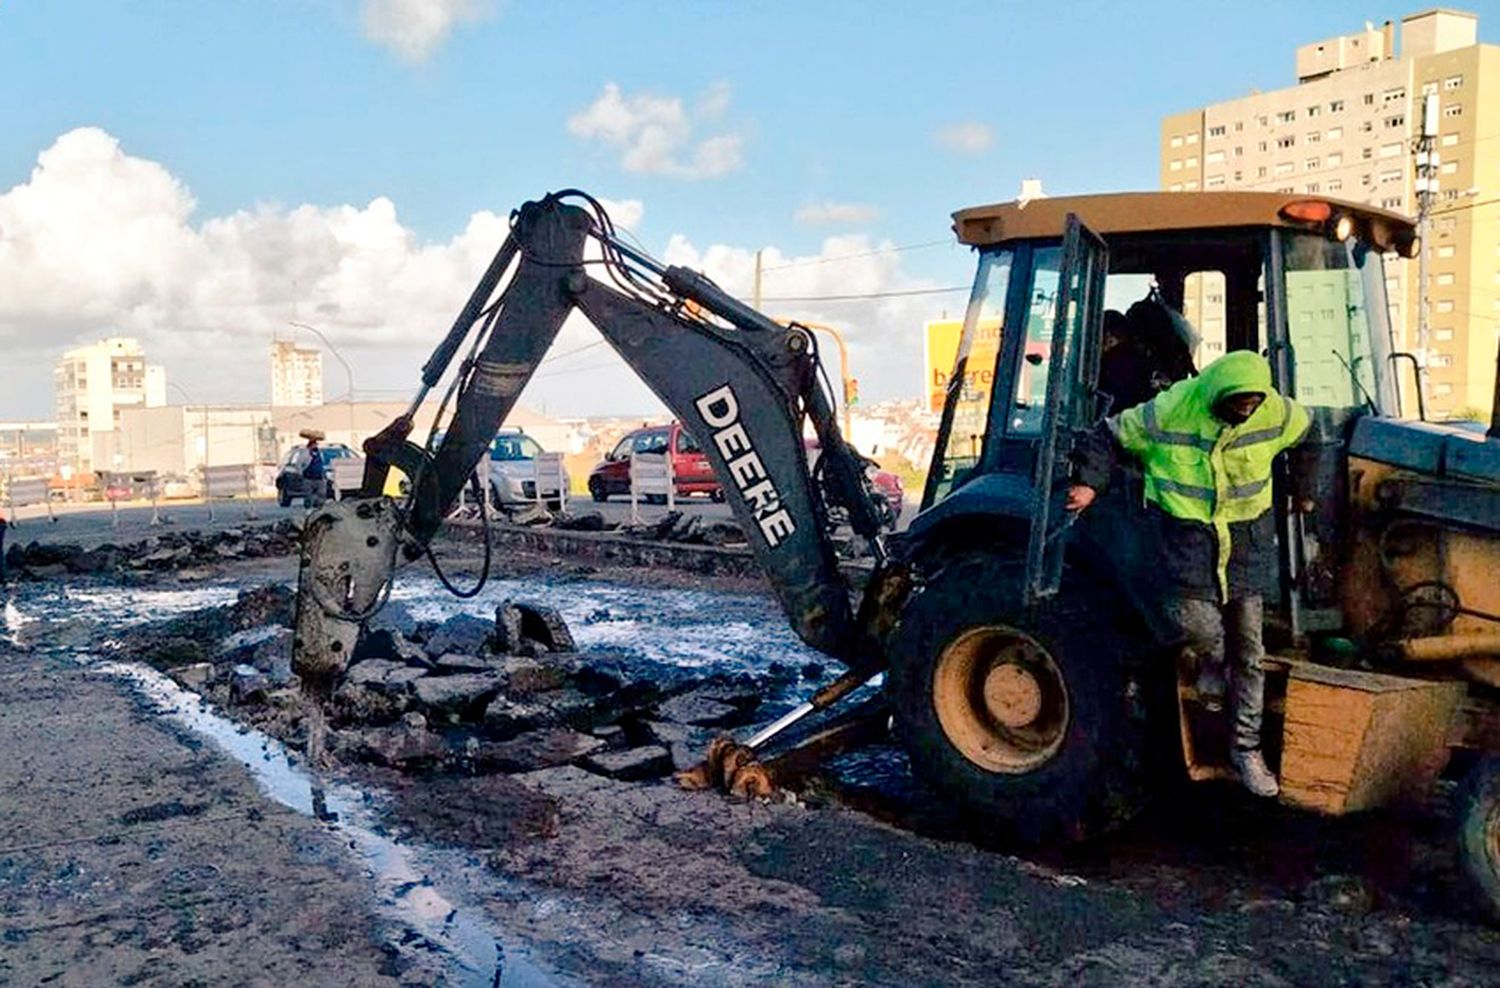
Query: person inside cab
pixel 1145 350
pixel 1206 446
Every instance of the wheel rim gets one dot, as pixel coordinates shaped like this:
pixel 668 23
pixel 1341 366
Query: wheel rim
pixel 1000 699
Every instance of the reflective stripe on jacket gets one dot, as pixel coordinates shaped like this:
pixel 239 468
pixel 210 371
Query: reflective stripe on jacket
pixel 1199 468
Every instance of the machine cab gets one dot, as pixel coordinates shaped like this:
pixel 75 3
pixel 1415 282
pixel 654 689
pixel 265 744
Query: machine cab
pixel 1066 287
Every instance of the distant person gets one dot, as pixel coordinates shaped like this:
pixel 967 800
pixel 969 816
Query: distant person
pixel 316 475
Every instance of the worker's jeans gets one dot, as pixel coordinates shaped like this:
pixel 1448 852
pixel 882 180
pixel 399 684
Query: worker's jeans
pixel 1215 632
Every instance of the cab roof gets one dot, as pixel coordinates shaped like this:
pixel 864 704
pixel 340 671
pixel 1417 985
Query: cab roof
pixel 1153 212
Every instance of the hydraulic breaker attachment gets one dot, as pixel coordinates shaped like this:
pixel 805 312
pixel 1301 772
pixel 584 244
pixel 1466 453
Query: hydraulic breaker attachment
pixel 734 768
pixel 349 551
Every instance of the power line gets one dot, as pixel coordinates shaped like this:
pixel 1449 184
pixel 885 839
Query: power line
pixel 867 295
pixel 867 253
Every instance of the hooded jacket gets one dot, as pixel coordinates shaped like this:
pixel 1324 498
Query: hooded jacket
pixel 1210 480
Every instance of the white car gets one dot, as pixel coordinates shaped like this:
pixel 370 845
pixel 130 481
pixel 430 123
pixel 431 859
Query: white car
pixel 513 472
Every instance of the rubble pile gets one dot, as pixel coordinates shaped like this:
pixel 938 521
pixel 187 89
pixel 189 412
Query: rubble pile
pixel 467 695
pixel 673 526
pixel 170 551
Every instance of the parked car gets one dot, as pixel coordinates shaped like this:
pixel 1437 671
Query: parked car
pixel 888 485
pixel 690 467
pixel 291 485
pixel 513 456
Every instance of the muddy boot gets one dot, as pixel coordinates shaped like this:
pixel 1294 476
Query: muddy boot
pixel 1250 765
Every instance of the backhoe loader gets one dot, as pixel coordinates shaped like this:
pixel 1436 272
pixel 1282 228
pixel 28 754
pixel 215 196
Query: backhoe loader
pixel 1026 659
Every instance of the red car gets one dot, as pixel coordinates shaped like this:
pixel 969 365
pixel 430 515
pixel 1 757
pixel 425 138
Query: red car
pixel 690 466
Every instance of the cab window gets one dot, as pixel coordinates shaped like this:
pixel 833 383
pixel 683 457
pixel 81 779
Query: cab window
pixel 622 451
pixel 1337 321
pixel 686 443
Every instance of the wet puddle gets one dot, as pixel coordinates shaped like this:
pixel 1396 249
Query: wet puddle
pixel 460 937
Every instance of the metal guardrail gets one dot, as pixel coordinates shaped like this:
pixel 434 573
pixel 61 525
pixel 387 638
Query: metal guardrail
pixel 550 475
pixel 347 474
pixel 650 476
pixel 138 483
pixel 234 480
pixel 22 492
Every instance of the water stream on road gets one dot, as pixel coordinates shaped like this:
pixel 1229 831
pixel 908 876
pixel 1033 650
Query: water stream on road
pixel 673 629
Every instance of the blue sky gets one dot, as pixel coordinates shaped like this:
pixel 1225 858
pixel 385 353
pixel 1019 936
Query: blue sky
pixel 271 105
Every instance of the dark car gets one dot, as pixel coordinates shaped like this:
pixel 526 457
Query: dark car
pixel 690 467
pixel 290 484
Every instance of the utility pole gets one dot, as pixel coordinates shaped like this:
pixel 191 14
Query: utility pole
pixel 755 293
pixel 1427 187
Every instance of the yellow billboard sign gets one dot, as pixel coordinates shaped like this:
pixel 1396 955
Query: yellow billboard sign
pixel 941 353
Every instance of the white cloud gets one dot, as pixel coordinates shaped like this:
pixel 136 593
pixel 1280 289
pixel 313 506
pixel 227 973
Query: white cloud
pixel 655 135
pixel 968 137
pixel 99 242
pixel 414 29
pixel 840 213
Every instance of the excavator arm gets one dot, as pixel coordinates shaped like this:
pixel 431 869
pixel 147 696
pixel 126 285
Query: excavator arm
pixel 740 383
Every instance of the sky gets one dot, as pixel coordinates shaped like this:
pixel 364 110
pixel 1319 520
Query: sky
pixel 200 175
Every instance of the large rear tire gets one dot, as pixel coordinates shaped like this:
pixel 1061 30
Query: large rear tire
pixel 1037 726
pixel 1479 833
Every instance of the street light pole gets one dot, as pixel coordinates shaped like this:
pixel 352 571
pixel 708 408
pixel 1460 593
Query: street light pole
pixel 348 372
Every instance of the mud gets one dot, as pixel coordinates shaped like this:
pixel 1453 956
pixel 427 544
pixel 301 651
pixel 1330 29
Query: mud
pixel 858 879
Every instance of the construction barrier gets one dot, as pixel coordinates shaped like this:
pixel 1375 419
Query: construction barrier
pixel 143 483
pixel 347 474
pixel 551 476
pixel 650 476
pixel 236 480
pixel 23 492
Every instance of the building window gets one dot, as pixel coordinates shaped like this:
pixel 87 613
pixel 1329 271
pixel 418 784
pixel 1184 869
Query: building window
pixel 1192 138
pixel 1239 176
pixel 1337 106
pixel 1314 137
pixel 1453 82
pixel 1312 111
pixel 1215 182
pixel 1335 159
pixel 1369 99
pixel 1176 187
pixel 1445 305
pixel 1428 88
pixel 1176 142
pixel 1392 95
pixel 1311 187
pixel 1442 389
pixel 1443 335
pixel 1445 251
pixel 1191 162
pixel 1286 190
pixel 1441 360
pixel 1175 166
pixel 1393 175
pixel 1335 133
pixel 1213 157
pixel 1391 202
pixel 1286 142
pixel 1335 184
pixel 1263 120
pixel 1239 152
pixel 1190 186
pixel 1365 126
pixel 1216 131
pixel 1286 116
pixel 1285 168
pixel 1312 164
pixel 1239 125
pixel 1449 167
pixel 1449 140
pixel 1446 278
pixel 1456 110
pixel 1260 172
pixel 1391 150
pixel 1397 121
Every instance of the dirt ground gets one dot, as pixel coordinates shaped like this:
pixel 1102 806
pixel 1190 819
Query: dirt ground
pixel 859 880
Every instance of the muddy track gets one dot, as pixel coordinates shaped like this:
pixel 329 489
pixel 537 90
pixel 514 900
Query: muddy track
pixel 862 879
